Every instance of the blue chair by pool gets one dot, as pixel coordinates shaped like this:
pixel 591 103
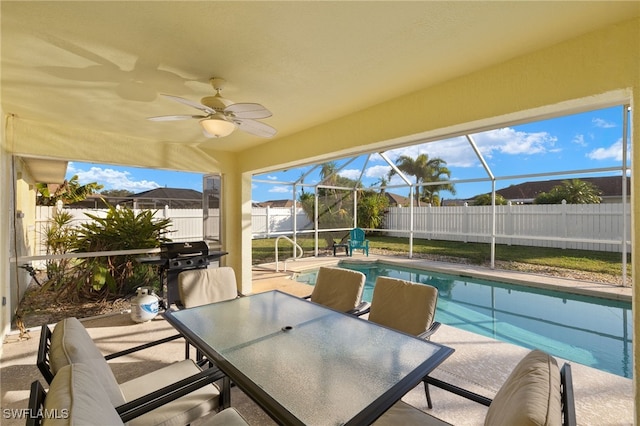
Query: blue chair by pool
pixel 358 241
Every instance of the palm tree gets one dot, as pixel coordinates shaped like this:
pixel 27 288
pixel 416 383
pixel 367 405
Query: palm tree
pixel 437 171
pixel 70 191
pixel 425 170
pixel 382 183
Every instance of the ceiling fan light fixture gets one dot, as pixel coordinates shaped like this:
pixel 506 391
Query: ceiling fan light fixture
pixel 217 127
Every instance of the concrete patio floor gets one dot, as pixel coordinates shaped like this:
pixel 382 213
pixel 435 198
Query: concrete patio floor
pixel 479 364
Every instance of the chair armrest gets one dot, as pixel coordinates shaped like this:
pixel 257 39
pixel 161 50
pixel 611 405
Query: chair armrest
pixel 458 391
pixel 427 334
pixel 141 347
pixel 568 403
pixel 363 311
pixel 42 361
pixel 162 396
pixel 360 309
pixel 36 402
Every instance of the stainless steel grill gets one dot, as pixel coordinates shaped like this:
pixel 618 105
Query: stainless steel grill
pixel 177 257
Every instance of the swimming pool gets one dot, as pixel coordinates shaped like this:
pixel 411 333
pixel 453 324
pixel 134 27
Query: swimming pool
pixel 592 331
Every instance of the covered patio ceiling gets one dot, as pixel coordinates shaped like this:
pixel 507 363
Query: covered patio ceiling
pixel 100 66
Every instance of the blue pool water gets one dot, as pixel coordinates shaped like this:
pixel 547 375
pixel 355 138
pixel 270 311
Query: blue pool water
pixel 592 331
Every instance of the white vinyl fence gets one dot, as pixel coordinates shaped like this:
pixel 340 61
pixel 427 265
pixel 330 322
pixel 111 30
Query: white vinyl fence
pixel 270 221
pixel 186 224
pixel 596 227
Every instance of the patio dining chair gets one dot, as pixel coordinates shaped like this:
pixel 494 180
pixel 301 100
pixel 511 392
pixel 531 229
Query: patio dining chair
pixel 358 241
pixel 339 289
pixel 77 397
pixel 405 306
pixel 198 287
pixel 536 392
pixel 70 343
pixel 209 285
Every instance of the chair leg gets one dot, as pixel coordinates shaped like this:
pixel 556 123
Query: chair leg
pixel 426 391
pixel 186 350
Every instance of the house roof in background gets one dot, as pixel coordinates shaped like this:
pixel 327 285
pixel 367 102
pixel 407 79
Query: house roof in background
pixel 611 186
pixel 169 194
pixel 397 199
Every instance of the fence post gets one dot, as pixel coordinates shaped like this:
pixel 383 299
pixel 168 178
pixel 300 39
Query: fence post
pixel 465 222
pixel 564 223
pixel 430 227
pixel 268 221
pixel 509 222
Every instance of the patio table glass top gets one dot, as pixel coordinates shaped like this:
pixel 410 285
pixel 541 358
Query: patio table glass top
pixel 304 363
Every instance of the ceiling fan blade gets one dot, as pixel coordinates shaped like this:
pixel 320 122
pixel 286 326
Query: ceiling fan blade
pixel 175 117
pixel 255 128
pixel 248 110
pixel 190 103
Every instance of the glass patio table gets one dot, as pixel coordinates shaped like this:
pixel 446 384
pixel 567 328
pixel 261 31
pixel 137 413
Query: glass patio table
pixel 307 364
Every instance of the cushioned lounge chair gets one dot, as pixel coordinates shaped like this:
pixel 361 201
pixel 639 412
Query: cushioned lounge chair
pixel 77 397
pixel 405 306
pixel 339 289
pixel 537 392
pixel 70 343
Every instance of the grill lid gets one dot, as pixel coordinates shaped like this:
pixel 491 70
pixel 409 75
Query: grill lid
pixel 187 248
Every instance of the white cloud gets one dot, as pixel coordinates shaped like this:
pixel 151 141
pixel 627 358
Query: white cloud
pixel 510 141
pixel 377 172
pixel 353 174
pixel 613 152
pixel 112 179
pixel 457 152
pixel 579 140
pixel 270 177
pixel 604 124
pixel 280 189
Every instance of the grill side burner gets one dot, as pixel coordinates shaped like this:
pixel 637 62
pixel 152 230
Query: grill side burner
pixel 177 257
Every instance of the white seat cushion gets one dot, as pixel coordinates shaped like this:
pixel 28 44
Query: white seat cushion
pixel 76 397
pixel 227 417
pixel 201 286
pixel 404 414
pixel 183 410
pixel 71 344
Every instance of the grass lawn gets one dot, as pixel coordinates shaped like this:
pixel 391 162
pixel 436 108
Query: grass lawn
pixel 609 263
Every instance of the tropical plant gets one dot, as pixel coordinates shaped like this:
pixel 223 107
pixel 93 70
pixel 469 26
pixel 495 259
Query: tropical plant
pixel 59 238
pixel 574 191
pixel 121 229
pixel 485 200
pixel 70 191
pixel 371 208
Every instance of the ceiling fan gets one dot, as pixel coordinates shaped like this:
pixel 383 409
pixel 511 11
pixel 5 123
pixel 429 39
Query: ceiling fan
pixel 221 116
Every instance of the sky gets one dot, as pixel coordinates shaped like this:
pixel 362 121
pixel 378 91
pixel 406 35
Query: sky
pixel 585 141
